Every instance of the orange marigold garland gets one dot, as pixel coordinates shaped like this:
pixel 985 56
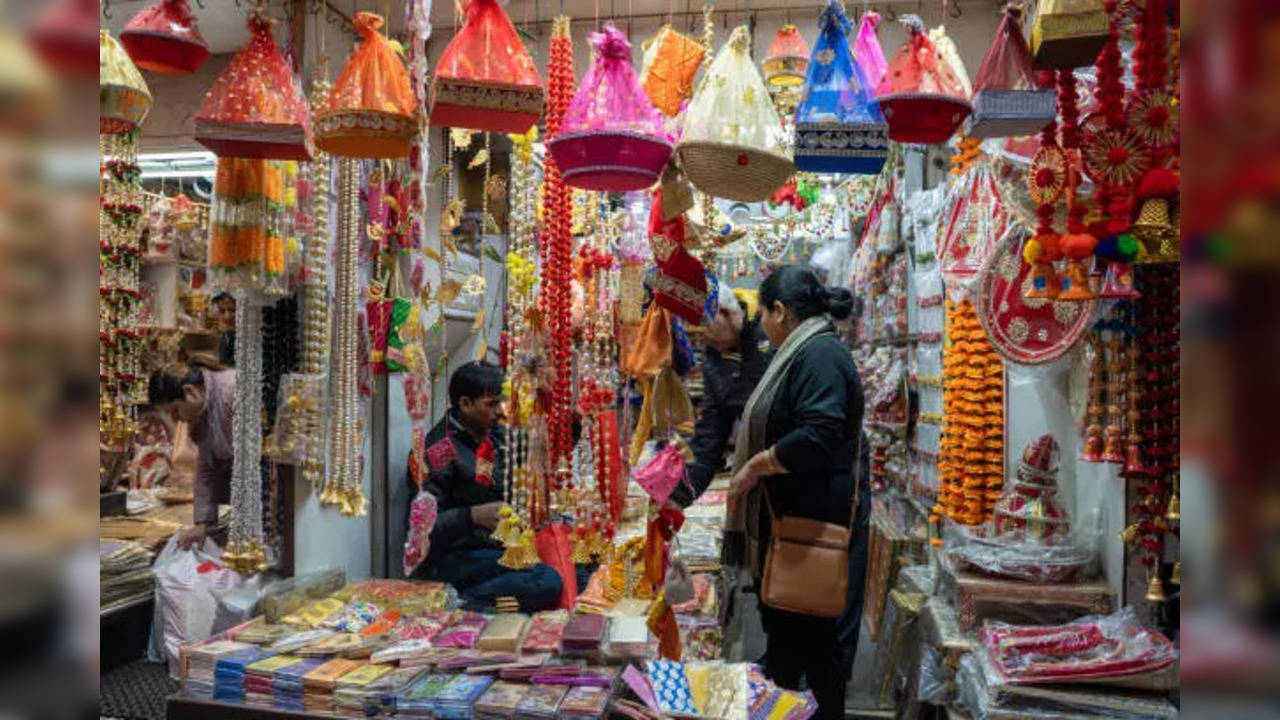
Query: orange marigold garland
pixel 971 457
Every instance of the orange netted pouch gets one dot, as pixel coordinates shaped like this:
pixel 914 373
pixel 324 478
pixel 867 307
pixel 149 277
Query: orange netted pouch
pixel 369 112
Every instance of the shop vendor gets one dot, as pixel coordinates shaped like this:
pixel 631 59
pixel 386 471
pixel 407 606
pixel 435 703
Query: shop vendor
pixel 464 471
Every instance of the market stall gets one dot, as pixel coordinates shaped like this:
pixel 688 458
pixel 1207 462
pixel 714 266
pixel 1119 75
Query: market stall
pixel 415 397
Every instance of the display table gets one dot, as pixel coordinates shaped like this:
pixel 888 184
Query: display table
pixel 180 707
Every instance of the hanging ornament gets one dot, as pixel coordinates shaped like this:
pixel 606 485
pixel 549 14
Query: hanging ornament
pixel 485 79
pixel 837 127
pixel 671 60
pixel 164 38
pixel 611 138
pixel 256 108
pixel 1068 33
pixel 246 551
pixel 921 95
pixel 868 53
pixel 344 483
pixel 63 36
pixel 251 223
pixel 788 58
pixel 123 97
pixel 1006 101
pixel 370 113
pixel 734 145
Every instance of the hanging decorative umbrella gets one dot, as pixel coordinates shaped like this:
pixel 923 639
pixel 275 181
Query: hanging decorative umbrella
pixel 164 38
pixel 838 128
pixel 63 36
pixel 1006 101
pixel 788 58
pixel 123 97
pixel 369 113
pixel 485 79
pixel 734 145
pixel 611 138
pixel 868 53
pixel 921 96
pixel 256 108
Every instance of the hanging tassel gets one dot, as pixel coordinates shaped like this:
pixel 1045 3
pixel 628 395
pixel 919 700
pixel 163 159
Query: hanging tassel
pixel 662 623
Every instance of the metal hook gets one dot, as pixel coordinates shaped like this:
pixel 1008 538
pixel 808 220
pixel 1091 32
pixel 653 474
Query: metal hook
pixel 200 4
pixel 313 8
pixel 955 12
pixel 106 10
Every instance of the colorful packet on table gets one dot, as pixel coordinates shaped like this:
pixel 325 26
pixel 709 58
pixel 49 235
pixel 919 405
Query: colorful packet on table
pixel 584 702
pixel 299 640
pixel 426 626
pixel 671 687
pixel 464 632
pixel 541 701
pixel 545 631
pixel 504 632
pixel 501 699
pixel 314 614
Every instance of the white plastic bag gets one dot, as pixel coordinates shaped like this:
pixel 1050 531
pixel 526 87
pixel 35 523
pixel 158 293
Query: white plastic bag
pixel 187 585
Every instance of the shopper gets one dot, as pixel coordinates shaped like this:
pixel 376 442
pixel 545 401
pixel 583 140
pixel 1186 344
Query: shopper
pixel 199 391
pixel 797 444
pixel 737 353
pixel 464 471
pixel 223 320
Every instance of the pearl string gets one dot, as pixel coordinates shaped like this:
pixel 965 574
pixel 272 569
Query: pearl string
pixel 245 551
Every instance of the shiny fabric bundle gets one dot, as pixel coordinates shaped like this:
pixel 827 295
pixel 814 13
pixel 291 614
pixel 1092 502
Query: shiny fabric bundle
pixel 734 145
pixel 164 38
pixel 369 113
pixel 838 128
pixel 921 95
pixel 256 108
pixel 485 79
pixel 611 138
pixel 1006 102
pixel 123 96
pixel 670 62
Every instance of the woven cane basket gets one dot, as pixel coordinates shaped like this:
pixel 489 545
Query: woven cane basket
pixel 733 172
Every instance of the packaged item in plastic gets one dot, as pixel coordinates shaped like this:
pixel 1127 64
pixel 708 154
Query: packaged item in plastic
pixel 545 631
pixel 464 632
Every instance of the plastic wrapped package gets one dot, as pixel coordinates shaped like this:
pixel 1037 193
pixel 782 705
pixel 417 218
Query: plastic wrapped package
pixel 300 406
pixel 935 685
pixel 1092 647
pixel 982 692
pixel 897 644
pixel 282 597
pixel 612 137
pixel 464 632
pixel 917 579
pixel 165 38
pixel 969 549
pixel 256 108
pixel 734 145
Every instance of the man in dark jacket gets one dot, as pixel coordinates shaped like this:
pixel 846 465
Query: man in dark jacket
pixel 464 465
pixel 736 355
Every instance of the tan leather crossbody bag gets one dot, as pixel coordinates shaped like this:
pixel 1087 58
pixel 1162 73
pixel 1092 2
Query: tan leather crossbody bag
pixel 806 569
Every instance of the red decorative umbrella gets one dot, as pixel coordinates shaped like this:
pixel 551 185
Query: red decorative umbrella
pixel 921 96
pixel 164 38
pixel 65 35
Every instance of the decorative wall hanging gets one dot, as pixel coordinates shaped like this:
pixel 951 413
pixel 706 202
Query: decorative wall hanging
pixel 734 145
pixel 120 386
pixel 485 79
pixel 680 284
pixel 788 58
pixel 1027 331
pixel 370 113
pixel 973 219
pixel 164 38
pixel 123 99
pixel 1006 101
pixel 256 108
pixel 1068 33
pixel 611 138
pixel 251 223
pixel 837 127
pixel 670 62
pixel 921 96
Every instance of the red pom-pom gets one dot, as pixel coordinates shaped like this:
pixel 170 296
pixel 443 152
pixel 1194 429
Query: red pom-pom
pixel 1078 246
pixel 1049 243
pixel 1158 183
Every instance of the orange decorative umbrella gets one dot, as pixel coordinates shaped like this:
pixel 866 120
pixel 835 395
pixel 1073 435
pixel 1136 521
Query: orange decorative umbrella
pixel 256 108
pixel 369 113
pixel 485 79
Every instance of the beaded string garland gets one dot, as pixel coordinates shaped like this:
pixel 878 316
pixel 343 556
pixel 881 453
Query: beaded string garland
pixel 120 386
pixel 556 263
pixel 315 305
pixel 246 551
pixel 971 456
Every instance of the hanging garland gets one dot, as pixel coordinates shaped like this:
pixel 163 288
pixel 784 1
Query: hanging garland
pixel 120 386
pixel 315 303
pixel 344 483
pixel 246 552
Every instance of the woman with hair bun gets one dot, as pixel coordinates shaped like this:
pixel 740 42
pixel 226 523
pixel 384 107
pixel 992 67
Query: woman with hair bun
pixel 796 446
pixel 199 391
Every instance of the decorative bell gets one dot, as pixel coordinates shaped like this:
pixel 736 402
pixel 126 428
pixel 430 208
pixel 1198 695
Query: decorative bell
pixel 1044 282
pixel 1174 512
pixel 1155 590
pixel 1176 576
pixel 1152 226
pixel 1117 284
pixel 1075 283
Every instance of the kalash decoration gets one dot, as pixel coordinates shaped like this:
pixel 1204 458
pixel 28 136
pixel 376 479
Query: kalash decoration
pixel 921 95
pixel 370 110
pixel 485 79
pixel 256 108
pixel 734 145
pixel 612 138
pixel 164 38
pixel 837 127
pixel 785 67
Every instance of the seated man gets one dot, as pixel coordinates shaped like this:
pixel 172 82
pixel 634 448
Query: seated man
pixel 464 466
